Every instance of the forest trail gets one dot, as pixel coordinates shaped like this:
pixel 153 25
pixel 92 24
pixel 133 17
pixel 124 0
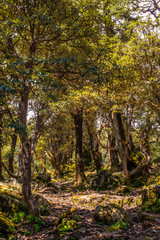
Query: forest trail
pixel 88 228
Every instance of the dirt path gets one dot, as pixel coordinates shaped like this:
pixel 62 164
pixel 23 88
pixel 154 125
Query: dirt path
pixel 88 229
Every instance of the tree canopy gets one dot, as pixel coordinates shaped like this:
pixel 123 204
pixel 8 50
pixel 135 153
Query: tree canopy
pixel 79 85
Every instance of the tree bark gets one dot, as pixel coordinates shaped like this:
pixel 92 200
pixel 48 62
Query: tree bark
pixel 11 157
pixel 113 154
pixel 78 120
pixel 97 156
pixel 95 153
pixel 119 133
pixel 26 155
pixel 20 163
pixel 56 159
pixel 1 125
pixel 120 137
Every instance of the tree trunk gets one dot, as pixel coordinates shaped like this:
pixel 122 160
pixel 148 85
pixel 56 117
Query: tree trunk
pixel 78 120
pixel 120 137
pixel 131 144
pixel 11 157
pixel 20 164
pixel 1 123
pixel 97 156
pixel 119 133
pixel 26 155
pixel 95 153
pixel 113 154
pixel 56 164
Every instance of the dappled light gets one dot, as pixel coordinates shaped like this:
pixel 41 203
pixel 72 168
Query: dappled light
pixel 79 120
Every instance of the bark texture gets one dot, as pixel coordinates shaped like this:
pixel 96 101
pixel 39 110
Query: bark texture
pixel 26 155
pixel 120 137
pixel 78 120
pixel 119 133
pixel 1 123
pixel 95 153
pixel 11 157
pixel 113 153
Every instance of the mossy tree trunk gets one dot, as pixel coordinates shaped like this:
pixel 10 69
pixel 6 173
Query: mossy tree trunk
pixel 78 120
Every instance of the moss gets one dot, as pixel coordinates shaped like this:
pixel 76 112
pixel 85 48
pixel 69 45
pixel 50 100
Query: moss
pixel 151 199
pixel 127 201
pixel 66 222
pixel 64 215
pixel 10 203
pixel 110 214
pixel 106 180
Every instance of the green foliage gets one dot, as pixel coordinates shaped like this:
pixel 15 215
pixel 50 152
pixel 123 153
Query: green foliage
pixel 18 217
pixel 119 225
pixel 151 206
pixel 146 238
pixel 67 225
pixel 26 232
pixel 33 219
pixel 67 221
pixel 36 227
pixel 36 222
pixel 12 237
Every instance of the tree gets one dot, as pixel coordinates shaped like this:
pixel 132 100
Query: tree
pixel 30 32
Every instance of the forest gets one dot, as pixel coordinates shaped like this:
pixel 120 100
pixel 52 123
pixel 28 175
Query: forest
pixel 79 119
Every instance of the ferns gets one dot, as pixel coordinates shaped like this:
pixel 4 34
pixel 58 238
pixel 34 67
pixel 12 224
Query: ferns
pixel 5 223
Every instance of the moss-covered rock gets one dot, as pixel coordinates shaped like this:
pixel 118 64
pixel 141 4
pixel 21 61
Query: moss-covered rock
pixel 10 203
pixel 43 204
pixel 110 214
pixel 104 180
pixel 66 222
pixel 151 199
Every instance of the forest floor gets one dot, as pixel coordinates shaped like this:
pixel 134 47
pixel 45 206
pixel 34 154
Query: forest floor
pixel 84 204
